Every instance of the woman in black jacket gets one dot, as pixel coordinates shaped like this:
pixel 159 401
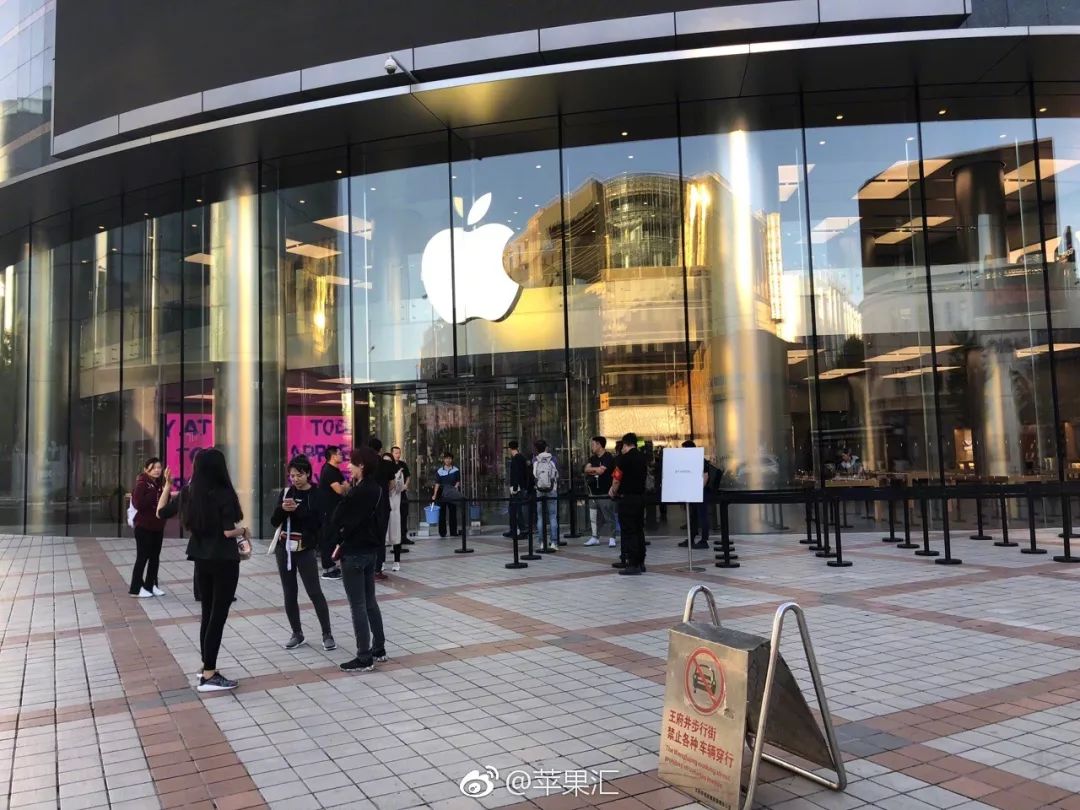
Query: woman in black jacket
pixel 355 526
pixel 299 515
pixel 210 511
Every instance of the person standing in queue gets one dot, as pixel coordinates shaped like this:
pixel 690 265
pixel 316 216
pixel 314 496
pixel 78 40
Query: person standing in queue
pixel 149 528
pixel 519 486
pixel 299 513
pixel 447 493
pixel 406 474
pixel 393 528
pixel 210 510
pixel 384 475
pixel 629 487
pixel 332 488
pixel 355 527
pixel 699 512
pixel 598 473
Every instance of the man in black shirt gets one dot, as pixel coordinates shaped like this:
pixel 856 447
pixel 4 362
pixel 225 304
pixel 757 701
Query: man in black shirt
pixel 403 468
pixel 629 488
pixel 598 474
pixel 332 488
pixel 519 486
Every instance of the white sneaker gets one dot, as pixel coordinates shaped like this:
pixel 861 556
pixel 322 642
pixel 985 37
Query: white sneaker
pixel 144 594
pixel 395 567
pixel 593 541
pixel 158 592
pixel 612 543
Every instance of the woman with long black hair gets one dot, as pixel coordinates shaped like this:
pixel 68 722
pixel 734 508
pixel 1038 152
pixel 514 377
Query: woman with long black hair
pixel 149 529
pixel 210 511
pixel 356 529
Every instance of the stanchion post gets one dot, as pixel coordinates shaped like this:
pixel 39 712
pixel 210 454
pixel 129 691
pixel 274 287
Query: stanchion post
pixel 827 553
pixel 925 551
pixel 464 530
pixel 517 563
pixel 809 541
pixel 727 561
pixel 979 534
pixel 892 538
pixel 574 534
pixel 532 555
pixel 1003 506
pixel 1032 549
pixel 946 535
pixel 1066 516
pixel 906 504
pixel 839 562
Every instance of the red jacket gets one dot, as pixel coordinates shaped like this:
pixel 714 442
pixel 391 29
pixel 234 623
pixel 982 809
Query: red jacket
pixel 145 499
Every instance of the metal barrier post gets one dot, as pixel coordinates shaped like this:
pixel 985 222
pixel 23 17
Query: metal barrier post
pixel 532 555
pixel 839 562
pixel 728 560
pixel 1004 542
pixel 979 534
pixel 1032 549
pixel 809 541
pixel 925 551
pixel 1066 516
pixel 948 559
pixel 464 529
pixel 574 534
pixel 906 504
pixel 892 538
pixel 517 563
pixel 827 553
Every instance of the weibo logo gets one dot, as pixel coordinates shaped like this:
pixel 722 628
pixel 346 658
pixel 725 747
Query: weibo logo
pixel 481 289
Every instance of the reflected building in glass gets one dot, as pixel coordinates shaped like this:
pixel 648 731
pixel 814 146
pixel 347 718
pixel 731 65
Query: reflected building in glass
pixel 796 255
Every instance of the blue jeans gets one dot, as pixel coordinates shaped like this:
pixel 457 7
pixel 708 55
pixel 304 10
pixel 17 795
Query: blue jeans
pixel 358 577
pixel 551 503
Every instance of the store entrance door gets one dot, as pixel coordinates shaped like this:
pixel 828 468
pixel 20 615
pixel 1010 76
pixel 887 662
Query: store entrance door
pixel 472 420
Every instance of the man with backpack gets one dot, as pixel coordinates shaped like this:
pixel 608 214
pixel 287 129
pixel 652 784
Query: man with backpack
pixel 546 483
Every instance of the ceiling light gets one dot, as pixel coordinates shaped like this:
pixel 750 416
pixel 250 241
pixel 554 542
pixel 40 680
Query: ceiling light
pixel 1003 135
pixel 310 251
pixel 837 373
pixel 821 143
pixel 908 354
pixel 840 117
pixel 916 372
pixel 942 111
pixel 1042 109
pixel 629 157
pixel 832 226
pixel 539 166
pixel 1048 167
pixel 625 133
pixel 298 390
pixel 199 396
pixel 898 178
pixel 198 199
pixel 352 225
pixel 146 213
pixel 101 227
pixel 338 171
pixel 909 229
pixel 193 225
pixel 200 258
pixel 789 176
pixel 301 202
pixel 910 138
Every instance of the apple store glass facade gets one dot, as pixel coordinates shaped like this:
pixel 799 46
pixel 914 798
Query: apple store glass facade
pixel 782 279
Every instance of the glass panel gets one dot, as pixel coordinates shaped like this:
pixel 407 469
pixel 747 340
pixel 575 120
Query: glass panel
pixel 987 276
pixel 313 258
pixel 50 427
pixel 1058 126
pixel 14 326
pixel 507 247
pixel 749 293
pixel 400 198
pixel 871 305
pixel 96 331
pixel 625 293
pixel 152 267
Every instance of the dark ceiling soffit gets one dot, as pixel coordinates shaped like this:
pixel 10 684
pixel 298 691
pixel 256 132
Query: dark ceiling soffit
pixel 730 72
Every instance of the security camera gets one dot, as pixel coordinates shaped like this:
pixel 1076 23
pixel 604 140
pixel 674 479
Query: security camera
pixel 390 65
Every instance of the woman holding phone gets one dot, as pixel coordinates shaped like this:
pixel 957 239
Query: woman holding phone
pixel 299 514
pixel 210 511
pixel 355 528
pixel 149 528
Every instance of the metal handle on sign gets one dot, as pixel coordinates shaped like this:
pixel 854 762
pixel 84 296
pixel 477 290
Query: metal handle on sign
pixel 688 611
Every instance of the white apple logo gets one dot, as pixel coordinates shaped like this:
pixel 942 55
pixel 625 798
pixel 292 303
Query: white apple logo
pixel 481 289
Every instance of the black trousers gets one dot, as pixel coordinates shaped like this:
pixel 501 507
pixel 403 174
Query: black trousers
pixel 326 545
pixel 404 508
pixel 699 519
pixel 147 556
pixel 304 564
pixel 519 521
pixel 632 523
pixel 216 581
pixel 358 577
pixel 447 510
pixel 382 524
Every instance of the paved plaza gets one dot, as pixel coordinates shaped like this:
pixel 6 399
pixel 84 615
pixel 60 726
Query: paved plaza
pixel 952 687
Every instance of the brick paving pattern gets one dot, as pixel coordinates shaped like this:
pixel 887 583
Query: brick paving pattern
pixel 952 687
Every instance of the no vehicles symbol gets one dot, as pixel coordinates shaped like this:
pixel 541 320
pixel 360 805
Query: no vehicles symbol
pixel 704 682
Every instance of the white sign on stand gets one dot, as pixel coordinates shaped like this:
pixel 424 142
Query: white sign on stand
pixel 683 470
pixel 683 482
